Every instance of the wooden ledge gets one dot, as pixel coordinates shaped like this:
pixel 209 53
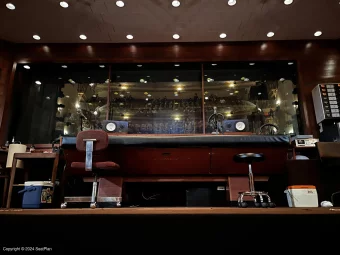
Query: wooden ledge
pixel 174 211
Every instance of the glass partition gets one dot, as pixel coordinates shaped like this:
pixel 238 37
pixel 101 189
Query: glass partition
pixel 165 98
pixel 254 93
pixel 82 101
pixel 157 98
pixel 57 99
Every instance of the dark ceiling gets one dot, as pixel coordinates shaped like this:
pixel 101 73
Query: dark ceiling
pixel 157 20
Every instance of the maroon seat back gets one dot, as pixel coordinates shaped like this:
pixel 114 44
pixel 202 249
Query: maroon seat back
pixel 101 143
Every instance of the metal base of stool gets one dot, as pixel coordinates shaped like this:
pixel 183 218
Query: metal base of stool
pixel 255 195
pixel 116 200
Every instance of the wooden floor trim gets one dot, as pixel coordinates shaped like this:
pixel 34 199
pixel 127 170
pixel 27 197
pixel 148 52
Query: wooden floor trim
pixel 173 211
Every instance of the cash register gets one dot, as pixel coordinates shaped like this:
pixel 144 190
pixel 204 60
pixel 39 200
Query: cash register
pixel 326 99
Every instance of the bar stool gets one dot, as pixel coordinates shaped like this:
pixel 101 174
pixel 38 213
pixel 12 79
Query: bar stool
pixel 250 158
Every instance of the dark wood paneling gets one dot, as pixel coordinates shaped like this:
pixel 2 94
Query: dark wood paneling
pixel 165 161
pixel 222 161
pixel 318 61
pixel 6 81
pixel 185 161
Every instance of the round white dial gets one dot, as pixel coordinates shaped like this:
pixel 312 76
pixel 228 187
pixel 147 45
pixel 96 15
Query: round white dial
pixel 110 127
pixel 240 126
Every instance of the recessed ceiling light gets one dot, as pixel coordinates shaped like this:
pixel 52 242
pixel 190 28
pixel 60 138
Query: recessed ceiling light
pixel 64 4
pixel 10 6
pixel 270 34
pixel 214 64
pixel 83 37
pixel 251 64
pixel 101 66
pixel 223 35
pixel 231 2
pixel 64 66
pixel 139 65
pixel 130 37
pixel 176 36
pixel 38 82
pixel 176 64
pixel 288 2
pixel 27 67
pixel 317 33
pixel 120 3
pixel 36 37
pixel 176 3
pixel 290 63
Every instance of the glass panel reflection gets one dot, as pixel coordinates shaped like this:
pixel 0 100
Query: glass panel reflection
pixel 82 104
pixel 157 98
pixel 55 99
pixel 251 95
pixel 35 94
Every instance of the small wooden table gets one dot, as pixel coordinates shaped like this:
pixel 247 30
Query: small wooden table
pixel 31 156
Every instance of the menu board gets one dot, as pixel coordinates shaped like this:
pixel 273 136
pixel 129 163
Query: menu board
pixel 326 98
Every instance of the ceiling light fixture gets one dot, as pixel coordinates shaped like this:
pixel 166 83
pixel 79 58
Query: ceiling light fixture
pixel 120 3
pixel 317 33
pixel 139 65
pixel 176 3
pixel 251 64
pixel 130 37
pixel 223 35
pixel 83 37
pixel 176 64
pixel 101 66
pixel 270 34
pixel 36 37
pixel 27 67
pixel 290 63
pixel 288 2
pixel 64 4
pixel 10 6
pixel 38 82
pixel 231 2
pixel 64 66
pixel 176 36
pixel 214 64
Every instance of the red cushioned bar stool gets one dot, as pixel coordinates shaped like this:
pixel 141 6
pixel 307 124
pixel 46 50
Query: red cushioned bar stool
pixel 93 141
pixel 250 158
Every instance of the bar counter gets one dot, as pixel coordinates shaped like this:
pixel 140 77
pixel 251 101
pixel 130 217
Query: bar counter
pixel 187 154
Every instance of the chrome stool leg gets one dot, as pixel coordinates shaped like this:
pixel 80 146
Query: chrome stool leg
pixel 263 204
pixel 257 204
pixel 94 193
pixel 270 203
pixel 240 201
